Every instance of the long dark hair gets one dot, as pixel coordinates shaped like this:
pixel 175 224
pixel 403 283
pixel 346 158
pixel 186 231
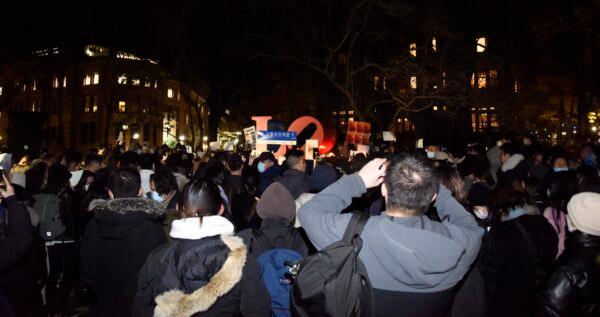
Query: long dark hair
pixel 201 198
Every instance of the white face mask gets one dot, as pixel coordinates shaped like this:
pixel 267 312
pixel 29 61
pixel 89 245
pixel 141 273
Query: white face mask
pixel 430 155
pixel 480 212
pixel 156 197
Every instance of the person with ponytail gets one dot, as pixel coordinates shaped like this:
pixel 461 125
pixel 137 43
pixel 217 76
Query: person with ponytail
pixel 204 270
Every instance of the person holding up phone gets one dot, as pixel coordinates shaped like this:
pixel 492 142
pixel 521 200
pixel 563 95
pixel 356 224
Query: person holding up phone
pixel 15 246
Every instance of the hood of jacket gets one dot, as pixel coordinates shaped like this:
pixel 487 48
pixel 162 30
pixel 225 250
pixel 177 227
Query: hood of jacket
pixel 512 162
pixel 116 217
pixel 417 252
pixel 204 270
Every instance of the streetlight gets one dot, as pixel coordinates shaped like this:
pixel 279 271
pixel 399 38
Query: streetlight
pixel 182 138
pixel 594 128
pixel 136 136
pixel 125 127
pixel 204 138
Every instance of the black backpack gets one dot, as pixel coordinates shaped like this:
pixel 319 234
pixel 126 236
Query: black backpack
pixel 334 282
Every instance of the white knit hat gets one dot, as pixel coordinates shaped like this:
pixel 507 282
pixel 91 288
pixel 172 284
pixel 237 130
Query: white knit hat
pixel 584 212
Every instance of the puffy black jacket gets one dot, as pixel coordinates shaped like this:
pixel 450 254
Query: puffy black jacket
pixel 114 247
pixel 296 182
pixel 212 276
pixel 275 232
pixel 573 289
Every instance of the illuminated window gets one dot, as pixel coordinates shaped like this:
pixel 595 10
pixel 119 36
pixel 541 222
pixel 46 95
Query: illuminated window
pixel 64 81
pixel 34 87
pixel 384 85
pixel 169 93
pixel 350 111
pixel 0 90
pixel 135 81
pixel 24 87
pixel 412 48
pixel 147 83
pixel 472 80
pixel 375 82
pixel 493 77
pixel 156 84
pixel 122 80
pixel 34 107
pixel 55 82
pixel 481 44
pixel 481 80
pixel 87 80
pixel 435 108
pixel 178 95
pixel 187 118
pixel 96 79
pixel 122 106
pixel 434 44
pixel 91 103
pixel 516 86
pixel 413 82
pixel 443 79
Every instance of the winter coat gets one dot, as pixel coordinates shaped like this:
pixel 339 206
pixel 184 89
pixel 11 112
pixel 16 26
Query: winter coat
pixel 414 264
pixel 275 231
pixel 211 276
pixel 573 288
pixel 269 176
pixel 515 168
pixel 510 277
pixel 297 182
pixel 114 247
pixel 22 260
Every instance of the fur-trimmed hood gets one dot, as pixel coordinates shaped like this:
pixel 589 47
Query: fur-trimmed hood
pixel 128 205
pixel 178 303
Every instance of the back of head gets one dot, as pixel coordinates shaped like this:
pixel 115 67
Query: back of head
pixel 560 190
pixel 235 162
pixel 124 182
pixel 129 159
pixel 452 180
pixel 587 179
pixel 164 181
pixel 201 198
pixel 294 157
pixel 506 198
pixel 266 156
pixel 58 176
pixel 411 184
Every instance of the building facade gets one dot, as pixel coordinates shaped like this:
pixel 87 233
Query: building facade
pixel 92 96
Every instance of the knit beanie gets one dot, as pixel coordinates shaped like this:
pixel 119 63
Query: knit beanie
pixel 276 201
pixel 584 212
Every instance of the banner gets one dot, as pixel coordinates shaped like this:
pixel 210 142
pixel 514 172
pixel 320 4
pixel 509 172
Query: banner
pixel 311 146
pixel 358 133
pixel 276 137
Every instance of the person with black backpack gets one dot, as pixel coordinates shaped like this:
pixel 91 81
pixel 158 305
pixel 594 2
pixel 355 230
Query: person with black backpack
pixel 412 262
pixel 56 205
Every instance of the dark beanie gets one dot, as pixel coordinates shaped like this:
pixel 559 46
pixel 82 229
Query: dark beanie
pixel 323 176
pixel 276 201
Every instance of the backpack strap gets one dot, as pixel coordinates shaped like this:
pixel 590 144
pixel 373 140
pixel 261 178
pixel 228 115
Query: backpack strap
pixel 530 249
pixel 290 238
pixel 261 239
pixel 355 226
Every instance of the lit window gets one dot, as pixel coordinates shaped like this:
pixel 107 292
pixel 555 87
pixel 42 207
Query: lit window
pixel 187 118
pixel 34 87
pixel 135 82
pixel 87 104
pixel 94 103
pixel 412 48
pixel 481 80
pixel 472 80
pixel 87 80
pixel 64 81
pixel 351 119
pixel 156 84
pixel 434 44
pixel 443 79
pixel 481 44
pixel 169 93
pixel 33 107
pixel 55 82
pixel 96 79
pixel 122 80
pixel 493 77
pixel 516 86
pixel 122 106
pixel 24 87
pixel 435 108
pixel 350 111
pixel 375 82
pixel 0 90
pixel 147 83
pixel 413 82
pixel 178 95
pixel 384 84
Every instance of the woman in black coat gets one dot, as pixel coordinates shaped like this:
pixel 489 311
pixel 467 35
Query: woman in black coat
pixel 204 269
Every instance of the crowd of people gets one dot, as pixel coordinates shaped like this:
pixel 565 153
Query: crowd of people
pixel 512 229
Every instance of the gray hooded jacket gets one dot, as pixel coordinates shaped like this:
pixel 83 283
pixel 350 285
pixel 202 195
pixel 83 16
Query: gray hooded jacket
pixel 411 254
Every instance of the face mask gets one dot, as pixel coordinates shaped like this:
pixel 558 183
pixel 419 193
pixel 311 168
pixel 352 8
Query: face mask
pixel 430 155
pixel 499 143
pixel 261 167
pixel 480 213
pixel 561 169
pixel 156 197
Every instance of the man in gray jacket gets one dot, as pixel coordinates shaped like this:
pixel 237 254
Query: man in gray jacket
pixel 414 263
